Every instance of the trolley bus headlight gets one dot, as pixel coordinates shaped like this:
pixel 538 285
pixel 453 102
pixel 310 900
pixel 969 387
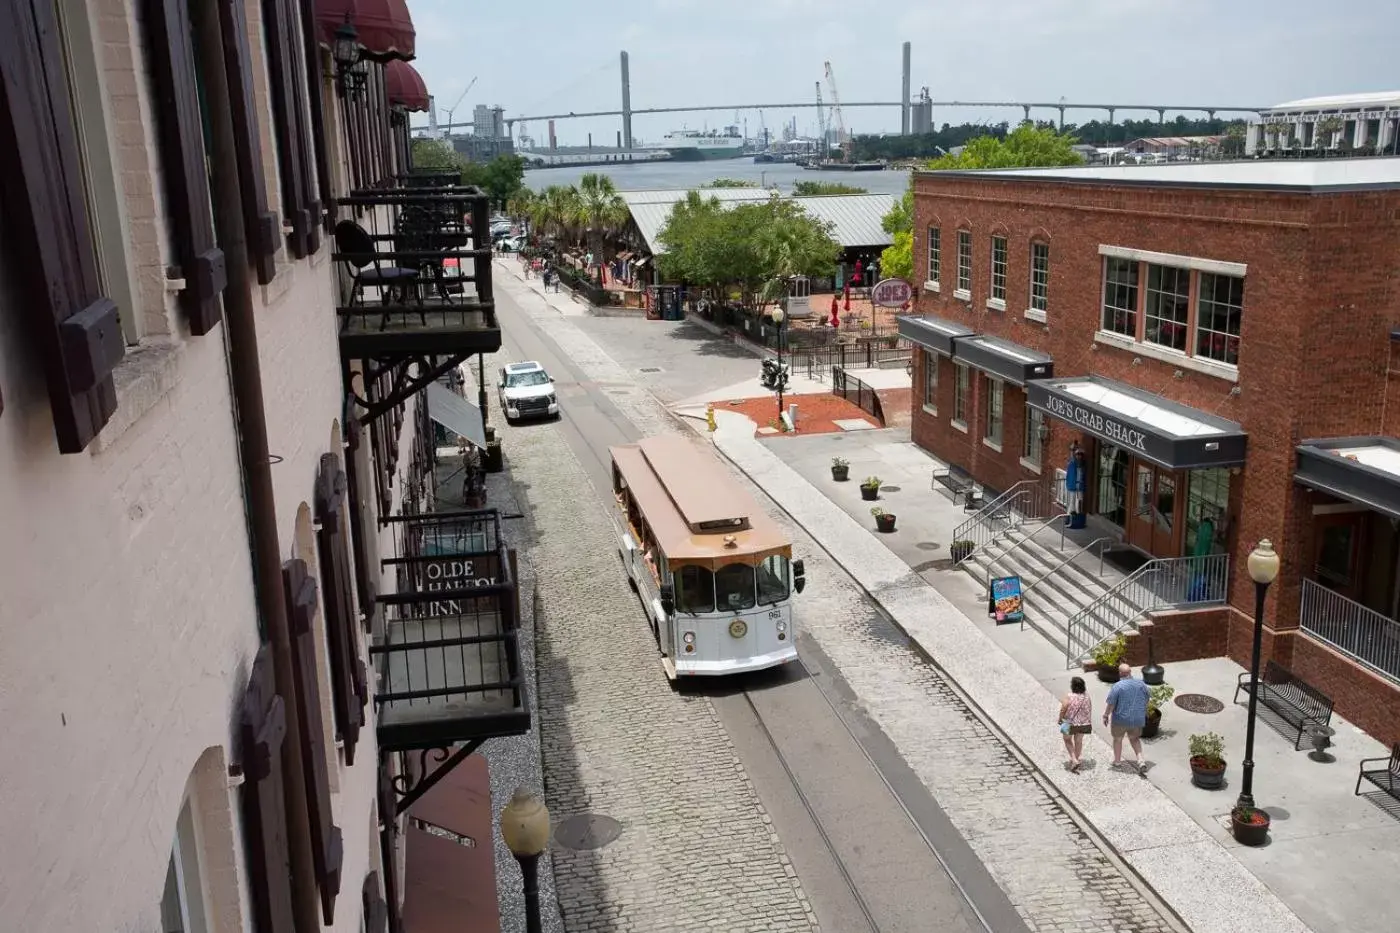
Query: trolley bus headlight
pixel 689 639
pixel 782 626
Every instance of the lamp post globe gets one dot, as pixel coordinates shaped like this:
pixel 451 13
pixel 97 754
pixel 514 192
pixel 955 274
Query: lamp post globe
pixel 1263 564
pixel 345 47
pixel 525 829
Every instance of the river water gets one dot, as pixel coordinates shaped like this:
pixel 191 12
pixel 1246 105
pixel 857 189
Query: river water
pixel 645 175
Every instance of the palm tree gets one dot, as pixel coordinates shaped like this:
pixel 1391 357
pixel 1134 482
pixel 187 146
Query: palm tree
pixel 601 210
pixel 521 206
pixel 559 210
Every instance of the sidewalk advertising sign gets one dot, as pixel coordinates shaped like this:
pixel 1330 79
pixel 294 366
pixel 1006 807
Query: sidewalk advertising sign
pixel 891 293
pixel 1006 599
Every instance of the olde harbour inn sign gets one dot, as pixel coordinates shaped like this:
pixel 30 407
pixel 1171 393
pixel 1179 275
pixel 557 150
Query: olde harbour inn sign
pixel 454 574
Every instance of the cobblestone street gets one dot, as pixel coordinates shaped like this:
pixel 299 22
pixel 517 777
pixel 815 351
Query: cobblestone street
pixel 1054 873
pixel 697 850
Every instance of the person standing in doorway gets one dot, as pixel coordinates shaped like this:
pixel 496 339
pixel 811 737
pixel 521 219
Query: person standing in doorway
pixel 1125 711
pixel 1076 716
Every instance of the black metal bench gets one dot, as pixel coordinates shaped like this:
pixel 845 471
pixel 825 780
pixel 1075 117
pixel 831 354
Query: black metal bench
pixel 959 482
pixel 1386 777
pixel 1296 701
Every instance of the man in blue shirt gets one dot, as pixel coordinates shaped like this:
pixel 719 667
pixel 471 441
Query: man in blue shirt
pixel 1126 707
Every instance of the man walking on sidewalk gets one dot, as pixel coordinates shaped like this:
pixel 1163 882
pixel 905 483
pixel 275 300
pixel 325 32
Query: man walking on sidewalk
pixel 1126 706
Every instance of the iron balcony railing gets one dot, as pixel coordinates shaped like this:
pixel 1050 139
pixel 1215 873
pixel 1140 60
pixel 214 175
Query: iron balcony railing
pixel 1359 633
pixel 1162 583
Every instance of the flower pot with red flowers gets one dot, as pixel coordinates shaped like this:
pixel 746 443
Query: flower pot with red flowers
pixel 1250 826
pixel 884 521
pixel 1207 760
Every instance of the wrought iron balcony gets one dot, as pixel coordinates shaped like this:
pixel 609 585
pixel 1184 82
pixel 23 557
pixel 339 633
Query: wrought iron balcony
pixel 448 657
pixel 417 282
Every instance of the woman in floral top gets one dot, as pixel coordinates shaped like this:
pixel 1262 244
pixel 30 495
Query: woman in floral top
pixel 1076 711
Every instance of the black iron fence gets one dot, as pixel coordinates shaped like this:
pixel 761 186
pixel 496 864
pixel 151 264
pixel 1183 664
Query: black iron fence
pixel 865 353
pixel 853 390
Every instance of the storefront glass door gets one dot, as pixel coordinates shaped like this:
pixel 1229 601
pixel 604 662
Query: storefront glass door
pixel 1152 504
pixel 1111 484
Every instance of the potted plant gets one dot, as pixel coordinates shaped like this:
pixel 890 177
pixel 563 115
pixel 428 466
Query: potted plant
pixel 1207 760
pixel 884 521
pixel 870 489
pixel 1250 826
pixel 961 550
pixel 840 470
pixel 1108 655
pixel 1157 697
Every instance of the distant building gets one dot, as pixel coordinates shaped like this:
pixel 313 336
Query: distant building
pixel 1173 148
pixel 1367 124
pixel 488 122
pixel 482 148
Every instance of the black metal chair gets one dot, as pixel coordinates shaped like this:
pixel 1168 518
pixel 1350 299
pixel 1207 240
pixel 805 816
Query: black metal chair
pixel 368 270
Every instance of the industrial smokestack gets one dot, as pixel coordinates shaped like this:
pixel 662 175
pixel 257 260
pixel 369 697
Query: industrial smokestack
pixel 553 143
pixel 904 97
pixel 626 105
pixel 433 132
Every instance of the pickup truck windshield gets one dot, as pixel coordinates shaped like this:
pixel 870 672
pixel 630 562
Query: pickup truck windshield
pixel 520 380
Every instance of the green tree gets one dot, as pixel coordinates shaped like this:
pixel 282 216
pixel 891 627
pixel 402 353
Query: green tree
pixel 897 259
pixel 502 177
pixel 1026 146
pixel 601 210
pixel 730 183
pixel 807 189
pixel 436 155
pixel 755 245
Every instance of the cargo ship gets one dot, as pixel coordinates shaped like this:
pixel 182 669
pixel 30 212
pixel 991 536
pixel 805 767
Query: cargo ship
pixel 700 146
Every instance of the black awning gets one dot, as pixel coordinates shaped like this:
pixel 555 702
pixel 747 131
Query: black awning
pixel 1348 468
pixel 932 332
pixel 1168 434
pixel 456 414
pixel 1004 359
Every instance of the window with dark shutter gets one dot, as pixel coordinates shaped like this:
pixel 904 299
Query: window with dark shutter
pixel 315 97
pixel 287 67
pixel 364 580
pixel 327 847
pixel 376 911
pixel 262 727
pixel 183 161
pixel 349 689
pixel 262 226
pixel 388 844
pixel 49 242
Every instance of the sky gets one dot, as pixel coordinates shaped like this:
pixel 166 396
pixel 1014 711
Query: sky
pixel 561 56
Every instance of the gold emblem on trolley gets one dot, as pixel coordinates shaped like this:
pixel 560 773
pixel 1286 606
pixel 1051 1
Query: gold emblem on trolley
pixel 738 628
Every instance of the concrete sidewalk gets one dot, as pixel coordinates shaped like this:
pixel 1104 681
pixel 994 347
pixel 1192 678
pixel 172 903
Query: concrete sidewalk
pixel 1191 870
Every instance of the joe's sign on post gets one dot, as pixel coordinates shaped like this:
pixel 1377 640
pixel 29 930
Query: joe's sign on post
pixel 891 293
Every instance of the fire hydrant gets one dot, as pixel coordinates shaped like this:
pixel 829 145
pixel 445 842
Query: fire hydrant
pixel 710 416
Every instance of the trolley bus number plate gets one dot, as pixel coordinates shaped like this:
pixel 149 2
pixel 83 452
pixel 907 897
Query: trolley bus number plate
pixel 775 613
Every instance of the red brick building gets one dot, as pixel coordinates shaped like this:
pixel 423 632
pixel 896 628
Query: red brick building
pixel 1221 341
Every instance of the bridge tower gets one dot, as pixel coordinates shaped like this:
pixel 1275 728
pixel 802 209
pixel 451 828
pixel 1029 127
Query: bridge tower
pixel 626 105
pixel 904 111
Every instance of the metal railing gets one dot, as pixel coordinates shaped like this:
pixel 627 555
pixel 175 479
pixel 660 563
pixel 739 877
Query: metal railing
pixel 867 354
pixel 853 390
pixel 1359 633
pixel 1162 583
pixel 1103 542
pixel 1028 500
pixel 1016 546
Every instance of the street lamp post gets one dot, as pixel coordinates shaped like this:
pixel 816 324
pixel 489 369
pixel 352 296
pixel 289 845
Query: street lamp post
pixel 525 829
pixel 1263 569
pixel 778 318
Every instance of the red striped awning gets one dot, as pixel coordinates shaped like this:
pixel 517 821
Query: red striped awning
pixel 405 86
pixel 384 28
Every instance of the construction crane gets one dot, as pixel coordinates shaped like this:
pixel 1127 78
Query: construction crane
pixel 842 137
pixel 823 148
pixel 453 109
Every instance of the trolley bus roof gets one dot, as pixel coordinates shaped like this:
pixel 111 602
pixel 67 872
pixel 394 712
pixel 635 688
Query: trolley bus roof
pixel 682 490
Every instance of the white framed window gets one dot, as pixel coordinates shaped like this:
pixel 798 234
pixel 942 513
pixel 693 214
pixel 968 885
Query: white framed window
pixel 962 385
pixel 1166 311
pixel 1033 439
pixel 182 903
pixel 1040 277
pixel 1219 307
pixel 993 414
pixel 964 263
pixel 999 269
pixel 1120 296
pixel 931 382
pixel 935 254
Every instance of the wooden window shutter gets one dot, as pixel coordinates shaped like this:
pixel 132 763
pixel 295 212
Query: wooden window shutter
pixel 183 161
pixel 388 844
pixel 327 847
pixel 306 159
pixel 365 586
pixel 376 911
pixel 264 231
pixel 349 688
pixel 262 727
pixel 46 223
pixel 315 91
pixel 288 124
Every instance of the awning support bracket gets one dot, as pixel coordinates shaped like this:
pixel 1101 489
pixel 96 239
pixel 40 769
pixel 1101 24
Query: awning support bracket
pixel 405 385
pixel 409 794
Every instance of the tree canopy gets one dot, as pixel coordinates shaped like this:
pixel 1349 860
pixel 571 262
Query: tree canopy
pixel 1093 133
pixel 805 189
pixel 502 178
pixel 1024 147
pixel 730 183
pixel 755 245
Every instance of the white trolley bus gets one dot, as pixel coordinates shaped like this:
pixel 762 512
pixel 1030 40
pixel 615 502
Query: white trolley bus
pixel 715 573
